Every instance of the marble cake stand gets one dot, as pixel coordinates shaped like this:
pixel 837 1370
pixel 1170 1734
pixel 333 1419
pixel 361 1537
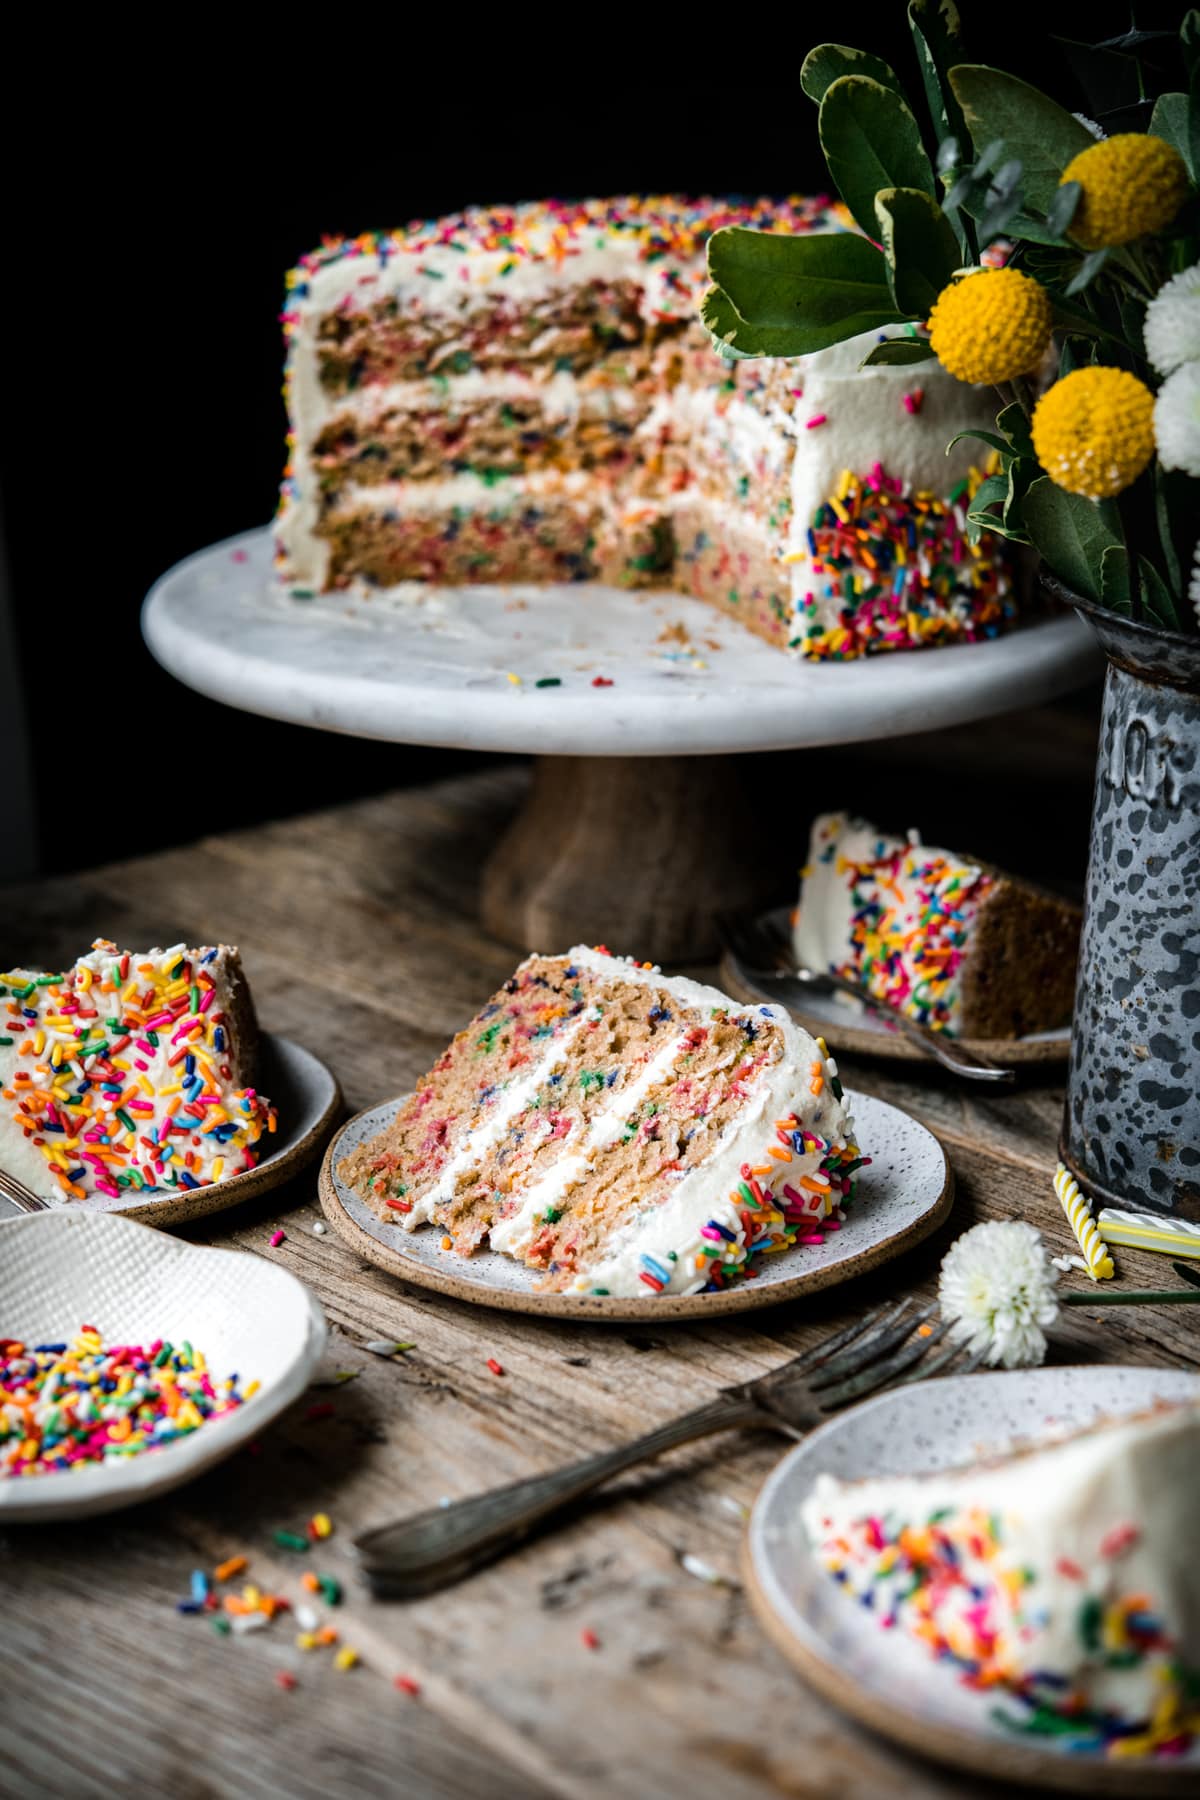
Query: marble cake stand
pixel 640 824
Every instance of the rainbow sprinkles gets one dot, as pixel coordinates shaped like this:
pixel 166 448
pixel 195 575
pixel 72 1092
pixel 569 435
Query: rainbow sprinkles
pixel 130 1074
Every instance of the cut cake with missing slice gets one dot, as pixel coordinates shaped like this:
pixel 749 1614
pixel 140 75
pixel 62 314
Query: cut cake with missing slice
pixel 619 1131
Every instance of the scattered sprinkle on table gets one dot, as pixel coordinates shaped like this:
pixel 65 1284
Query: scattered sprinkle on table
pixel 65 1405
pixel 548 681
pixel 290 1540
pixel 320 1525
pixel 695 1565
pixel 318 1229
pixel 589 1639
pixel 602 681
pixel 386 1347
pixel 320 1409
pixel 496 1367
pixel 407 1685
pixel 285 1679
pixel 277 1238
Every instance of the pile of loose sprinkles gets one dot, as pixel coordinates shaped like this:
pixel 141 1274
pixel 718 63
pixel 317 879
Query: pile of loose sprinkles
pixel 68 1405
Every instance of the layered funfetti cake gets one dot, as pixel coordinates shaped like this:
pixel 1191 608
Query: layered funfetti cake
pixel 958 945
pixel 1062 1576
pixel 618 1131
pixel 527 394
pixel 130 1073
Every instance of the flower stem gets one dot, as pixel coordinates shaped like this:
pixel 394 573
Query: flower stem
pixel 1135 1297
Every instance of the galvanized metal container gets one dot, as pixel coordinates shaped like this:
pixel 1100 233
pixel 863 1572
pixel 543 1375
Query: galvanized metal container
pixel 1131 1128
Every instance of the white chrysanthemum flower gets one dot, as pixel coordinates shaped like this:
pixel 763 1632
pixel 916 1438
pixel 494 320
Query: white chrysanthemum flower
pixel 1089 125
pixel 1177 420
pixel 1172 328
pixel 997 1290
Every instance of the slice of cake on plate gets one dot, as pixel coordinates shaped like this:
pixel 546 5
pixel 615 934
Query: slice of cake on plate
pixel 130 1073
pixel 1063 1575
pixel 619 1131
pixel 959 945
pixel 526 393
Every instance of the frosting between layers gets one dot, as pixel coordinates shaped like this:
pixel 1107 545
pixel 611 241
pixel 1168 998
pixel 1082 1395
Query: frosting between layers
pixel 671 1234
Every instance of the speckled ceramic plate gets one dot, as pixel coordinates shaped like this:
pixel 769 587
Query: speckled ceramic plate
pixel 901 1197
pixel 885 1679
pixel 845 1027
pixel 249 1317
pixel 308 1100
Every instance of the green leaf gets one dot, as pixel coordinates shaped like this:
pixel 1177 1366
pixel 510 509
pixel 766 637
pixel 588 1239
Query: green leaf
pixel 1189 37
pixel 1063 207
pixel 1156 597
pixel 1035 129
pixel 1014 423
pixel 991 491
pixel 898 350
pixel 935 29
pixel 1087 272
pixel 920 247
pixel 1170 122
pixel 1114 580
pixel 786 296
pixel 1175 515
pixel 828 62
pixel 871 141
pixel 1000 445
pixel 1071 533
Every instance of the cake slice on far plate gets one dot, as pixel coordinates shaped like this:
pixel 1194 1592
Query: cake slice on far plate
pixel 130 1072
pixel 1064 1576
pixel 958 945
pixel 619 1131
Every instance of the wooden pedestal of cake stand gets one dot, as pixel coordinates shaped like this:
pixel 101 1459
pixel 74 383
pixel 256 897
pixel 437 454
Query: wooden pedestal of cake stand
pixel 645 816
pixel 637 852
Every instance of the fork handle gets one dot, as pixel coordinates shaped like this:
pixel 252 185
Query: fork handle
pixel 435 1548
pixel 934 1043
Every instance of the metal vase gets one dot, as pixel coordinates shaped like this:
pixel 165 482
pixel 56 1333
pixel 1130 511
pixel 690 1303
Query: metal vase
pixel 1131 1128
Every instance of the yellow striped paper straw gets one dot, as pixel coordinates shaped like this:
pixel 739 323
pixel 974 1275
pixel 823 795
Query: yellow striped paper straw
pixel 1149 1231
pixel 1079 1214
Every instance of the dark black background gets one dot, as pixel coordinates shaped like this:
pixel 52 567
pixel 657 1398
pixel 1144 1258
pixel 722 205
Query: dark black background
pixel 158 188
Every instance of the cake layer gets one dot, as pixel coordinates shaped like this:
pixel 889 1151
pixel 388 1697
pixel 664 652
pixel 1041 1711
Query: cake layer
pixel 1062 1574
pixel 129 1072
pixel 959 946
pixel 618 1131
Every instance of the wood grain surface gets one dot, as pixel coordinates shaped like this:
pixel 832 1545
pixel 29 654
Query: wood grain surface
pixel 360 935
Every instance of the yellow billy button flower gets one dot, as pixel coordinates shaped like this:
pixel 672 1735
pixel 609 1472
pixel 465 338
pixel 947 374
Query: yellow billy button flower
pixel 991 325
pixel 1094 431
pixel 1132 185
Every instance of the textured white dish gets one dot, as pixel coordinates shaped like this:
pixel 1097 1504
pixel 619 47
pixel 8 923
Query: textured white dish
pixel 249 1317
pixel 884 1678
pixel 901 1196
pixel 308 1099
pixel 432 665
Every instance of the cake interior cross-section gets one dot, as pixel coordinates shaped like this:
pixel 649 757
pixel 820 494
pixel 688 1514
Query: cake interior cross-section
pixel 526 394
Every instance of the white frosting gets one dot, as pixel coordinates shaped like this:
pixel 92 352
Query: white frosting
pixel 1097 1515
pixel 669 1231
pixel 823 931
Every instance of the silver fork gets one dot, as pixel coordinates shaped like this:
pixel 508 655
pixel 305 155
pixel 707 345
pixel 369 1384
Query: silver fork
pixel 435 1548
pixel 764 957
pixel 23 1198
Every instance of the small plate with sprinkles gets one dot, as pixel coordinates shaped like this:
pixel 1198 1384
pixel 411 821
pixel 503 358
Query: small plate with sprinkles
pixel 833 1614
pixel 903 1192
pixel 131 1361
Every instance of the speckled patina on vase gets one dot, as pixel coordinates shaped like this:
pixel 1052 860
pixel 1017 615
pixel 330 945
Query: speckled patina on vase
pixel 1131 1129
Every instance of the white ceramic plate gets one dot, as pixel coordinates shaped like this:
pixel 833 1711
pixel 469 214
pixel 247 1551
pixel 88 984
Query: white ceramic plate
pixel 901 1197
pixel 308 1100
pixel 884 1678
pixel 248 1316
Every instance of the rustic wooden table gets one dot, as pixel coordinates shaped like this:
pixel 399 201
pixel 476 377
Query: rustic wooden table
pixel 359 931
